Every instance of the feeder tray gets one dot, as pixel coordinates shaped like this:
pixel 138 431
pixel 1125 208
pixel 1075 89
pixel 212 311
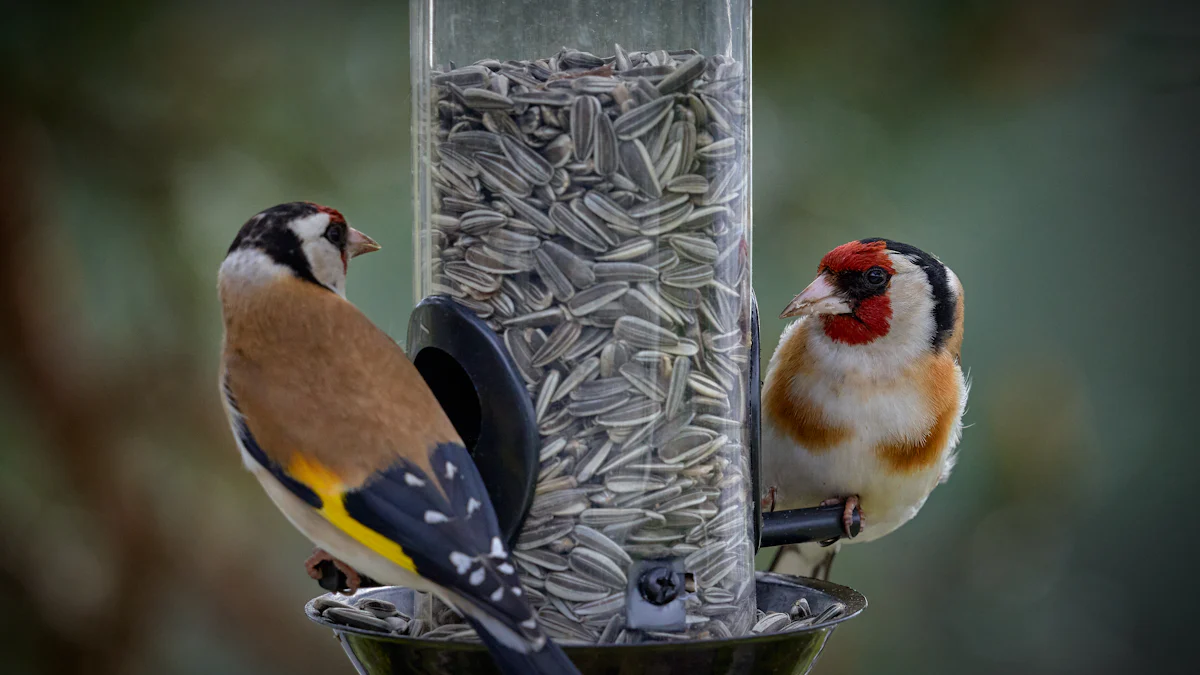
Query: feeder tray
pixel 788 653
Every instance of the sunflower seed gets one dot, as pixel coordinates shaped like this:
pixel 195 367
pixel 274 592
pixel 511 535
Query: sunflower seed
pixel 722 149
pixel 528 163
pixel 543 97
pixel 356 619
pixel 592 461
pixel 557 343
pixel 683 75
pixel 612 212
pixel 645 381
pixel 584 111
pixel 481 220
pixel 467 76
pixel 596 406
pixel 641 333
pixel 630 250
pixel 572 586
pixel 694 248
pixel 546 394
pixel 497 174
pixel 591 299
pixel 575 228
pixel 508 240
pixel 578 375
pixel 577 270
pixel 543 559
pixel 556 281
pixel 658 206
pixel 598 389
pixel 605 142
pixel 770 623
pixel 642 119
pixel 638 166
pixel 485 99
pixel 631 414
pixel 597 566
pixel 688 276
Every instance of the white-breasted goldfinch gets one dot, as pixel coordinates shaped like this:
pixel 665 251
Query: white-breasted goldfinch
pixel 864 397
pixel 342 432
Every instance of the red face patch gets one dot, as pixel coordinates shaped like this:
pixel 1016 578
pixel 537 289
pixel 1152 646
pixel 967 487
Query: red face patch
pixel 870 321
pixel 857 257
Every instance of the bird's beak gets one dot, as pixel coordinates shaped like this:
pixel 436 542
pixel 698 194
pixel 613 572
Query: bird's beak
pixel 358 243
pixel 821 297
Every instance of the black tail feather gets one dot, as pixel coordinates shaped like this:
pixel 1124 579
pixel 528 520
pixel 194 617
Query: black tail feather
pixel 550 660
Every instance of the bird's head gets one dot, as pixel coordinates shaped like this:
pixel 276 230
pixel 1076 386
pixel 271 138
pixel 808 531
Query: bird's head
pixel 876 289
pixel 310 241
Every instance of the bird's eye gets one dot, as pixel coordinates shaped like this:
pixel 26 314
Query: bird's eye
pixel 876 276
pixel 336 234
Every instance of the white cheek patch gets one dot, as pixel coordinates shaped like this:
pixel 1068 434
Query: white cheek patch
pixel 326 263
pixel 310 227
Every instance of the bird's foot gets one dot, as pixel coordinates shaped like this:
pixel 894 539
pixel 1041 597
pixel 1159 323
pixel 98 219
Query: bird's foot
pixel 314 564
pixel 849 504
pixel 768 502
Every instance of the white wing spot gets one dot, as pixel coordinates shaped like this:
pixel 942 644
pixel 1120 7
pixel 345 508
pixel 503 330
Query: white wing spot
pixel 461 562
pixel 451 470
pixel 529 623
pixel 435 517
pixel 505 568
pixel 473 505
pixel 516 590
pixel 413 480
pixel 497 549
pixel 498 595
pixel 476 577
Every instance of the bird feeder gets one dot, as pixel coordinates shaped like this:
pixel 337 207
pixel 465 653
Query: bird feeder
pixel 583 254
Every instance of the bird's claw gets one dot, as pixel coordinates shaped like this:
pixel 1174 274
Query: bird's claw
pixel 768 502
pixel 319 556
pixel 849 504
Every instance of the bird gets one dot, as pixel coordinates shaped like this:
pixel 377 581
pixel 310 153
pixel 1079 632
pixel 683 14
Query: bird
pixel 343 434
pixel 863 400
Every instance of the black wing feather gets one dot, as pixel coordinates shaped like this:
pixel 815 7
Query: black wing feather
pixel 452 542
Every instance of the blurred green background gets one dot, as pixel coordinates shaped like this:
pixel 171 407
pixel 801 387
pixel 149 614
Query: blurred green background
pixel 1047 151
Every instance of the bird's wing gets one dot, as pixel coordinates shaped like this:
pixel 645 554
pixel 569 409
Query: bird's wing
pixel 332 407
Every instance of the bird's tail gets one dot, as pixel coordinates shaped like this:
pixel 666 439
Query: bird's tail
pixel 548 660
pixel 806 560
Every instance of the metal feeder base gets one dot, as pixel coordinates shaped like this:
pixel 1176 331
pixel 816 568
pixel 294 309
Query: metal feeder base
pixel 791 653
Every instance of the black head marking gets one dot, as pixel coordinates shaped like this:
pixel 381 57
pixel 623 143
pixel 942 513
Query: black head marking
pixel 269 232
pixel 939 281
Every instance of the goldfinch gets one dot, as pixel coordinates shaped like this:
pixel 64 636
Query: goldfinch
pixel 864 397
pixel 345 437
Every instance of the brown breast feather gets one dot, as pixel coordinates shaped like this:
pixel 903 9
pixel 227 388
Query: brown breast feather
pixel 312 375
pixel 938 379
pixel 797 415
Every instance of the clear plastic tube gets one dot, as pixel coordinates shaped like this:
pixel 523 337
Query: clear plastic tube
pixel 582 183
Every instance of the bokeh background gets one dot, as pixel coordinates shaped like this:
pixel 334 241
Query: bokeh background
pixel 1047 151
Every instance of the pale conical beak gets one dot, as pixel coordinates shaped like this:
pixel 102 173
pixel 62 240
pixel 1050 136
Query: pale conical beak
pixel 821 297
pixel 358 243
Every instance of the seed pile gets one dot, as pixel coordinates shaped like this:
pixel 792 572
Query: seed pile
pixel 593 211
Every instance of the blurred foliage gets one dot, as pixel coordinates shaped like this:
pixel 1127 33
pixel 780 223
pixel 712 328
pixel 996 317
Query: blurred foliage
pixel 1046 151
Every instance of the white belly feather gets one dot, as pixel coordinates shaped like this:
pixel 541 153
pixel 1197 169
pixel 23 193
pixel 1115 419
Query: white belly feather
pixel 888 498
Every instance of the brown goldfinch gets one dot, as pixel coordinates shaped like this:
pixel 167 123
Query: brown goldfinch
pixel 863 399
pixel 342 432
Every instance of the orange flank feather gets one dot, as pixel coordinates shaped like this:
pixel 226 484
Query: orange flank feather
pixel 795 414
pixel 320 386
pixel 938 380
